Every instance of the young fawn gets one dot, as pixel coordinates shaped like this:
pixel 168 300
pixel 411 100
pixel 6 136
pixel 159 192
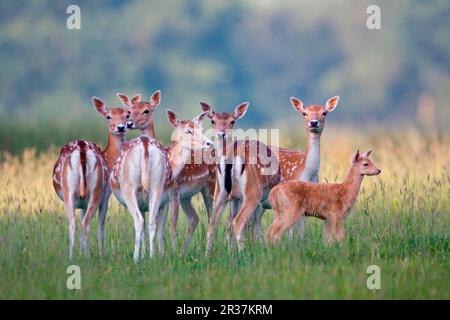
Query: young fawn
pixel 144 176
pixel 298 165
pixel 330 202
pixel 193 178
pixel 81 173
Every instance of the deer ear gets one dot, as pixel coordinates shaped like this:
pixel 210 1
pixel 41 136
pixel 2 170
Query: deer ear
pixel 367 153
pixel 136 99
pixel 124 99
pixel 297 104
pixel 240 110
pixel 207 108
pixel 172 118
pixel 99 105
pixel 199 119
pixel 331 103
pixel 356 157
pixel 155 99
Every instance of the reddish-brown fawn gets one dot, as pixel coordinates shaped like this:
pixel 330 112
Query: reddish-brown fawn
pixel 331 202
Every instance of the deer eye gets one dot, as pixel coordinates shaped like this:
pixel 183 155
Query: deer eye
pixel 365 164
pixel 305 114
pixel 146 111
pixel 213 122
pixel 232 122
pixel 108 118
pixel 324 114
pixel 189 131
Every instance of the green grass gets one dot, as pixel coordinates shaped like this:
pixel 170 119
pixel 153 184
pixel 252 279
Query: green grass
pixel 401 224
pixel 410 248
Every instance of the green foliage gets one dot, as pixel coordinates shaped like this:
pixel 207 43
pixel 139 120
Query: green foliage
pixel 222 52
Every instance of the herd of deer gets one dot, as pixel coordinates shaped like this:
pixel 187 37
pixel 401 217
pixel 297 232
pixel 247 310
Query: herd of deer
pixel 146 176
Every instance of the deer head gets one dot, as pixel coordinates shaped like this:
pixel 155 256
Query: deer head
pixel 116 117
pixel 364 165
pixel 141 112
pixel 188 133
pixel 314 115
pixel 223 122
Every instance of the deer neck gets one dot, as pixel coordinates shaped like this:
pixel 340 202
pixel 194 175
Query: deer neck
pixel 113 148
pixel 352 184
pixel 224 147
pixel 149 131
pixel 178 157
pixel 312 158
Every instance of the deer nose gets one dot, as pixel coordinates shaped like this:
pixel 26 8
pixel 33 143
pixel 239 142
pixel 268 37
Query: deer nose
pixel 221 134
pixel 130 124
pixel 121 128
pixel 314 123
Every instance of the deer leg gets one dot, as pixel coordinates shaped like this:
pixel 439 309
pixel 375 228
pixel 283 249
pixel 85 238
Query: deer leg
pixel 239 222
pixel 192 216
pixel 82 214
pixel 282 222
pixel 274 229
pixel 329 230
pixel 102 211
pixel 257 222
pixel 174 221
pixel 301 227
pixel 92 208
pixel 234 208
pixel 219 206
pixel 340 229
pixel 70 211
pixel 144 236
pixel 208 201
pixel 291 234
pixel 249 228
pixel 153 208
pixel 131 202
pixel 162 219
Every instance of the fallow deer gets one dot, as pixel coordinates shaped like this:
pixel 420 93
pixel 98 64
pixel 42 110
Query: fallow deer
pixel 80 176
pixel 144 176
pixel 223 125
pixel 246 171
pixel 193 178
pixel 298 165
pixel 331 202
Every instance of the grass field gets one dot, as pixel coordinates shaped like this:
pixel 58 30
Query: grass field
pixel 401 223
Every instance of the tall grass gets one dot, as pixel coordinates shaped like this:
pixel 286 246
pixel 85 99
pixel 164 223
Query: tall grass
pixel 401 223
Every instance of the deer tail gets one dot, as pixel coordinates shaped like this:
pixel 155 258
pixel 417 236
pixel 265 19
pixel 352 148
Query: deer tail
pixel 145 170
pixel 82 174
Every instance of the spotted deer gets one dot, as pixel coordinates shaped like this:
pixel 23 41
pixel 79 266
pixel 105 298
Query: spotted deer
pixel 198 174
pixel 298 165
pixel 145 175
pixel 331 202
pixel 246 171
pixel 80 176
pixel 223 126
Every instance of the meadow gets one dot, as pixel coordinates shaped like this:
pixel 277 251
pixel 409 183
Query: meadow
pixel 401 223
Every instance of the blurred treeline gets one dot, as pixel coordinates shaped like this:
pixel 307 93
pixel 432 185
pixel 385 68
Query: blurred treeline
pixel 222 52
